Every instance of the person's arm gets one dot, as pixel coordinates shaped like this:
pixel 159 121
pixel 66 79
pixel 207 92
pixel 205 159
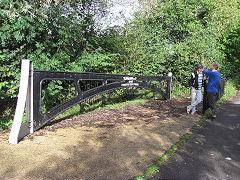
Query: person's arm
pixel 207 72
pixel 191 81
pixel 204 83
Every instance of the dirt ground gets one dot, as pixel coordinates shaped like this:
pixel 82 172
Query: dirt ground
pixel 110 144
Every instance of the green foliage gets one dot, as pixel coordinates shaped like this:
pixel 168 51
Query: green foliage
pixel 230 45
pixel 141 177
pixel 5 123
pixel 223 14
pixel 95 61
pixel 174 37
pixel 148 172
pixel 229 92
pixel 51 35
pixel 178 89
pixel 166 36
pixel 55 92
pixel 18 32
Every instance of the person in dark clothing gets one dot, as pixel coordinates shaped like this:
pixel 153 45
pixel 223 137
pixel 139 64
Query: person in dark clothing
pixel 212 87
pixel 196 83
pixel 205 102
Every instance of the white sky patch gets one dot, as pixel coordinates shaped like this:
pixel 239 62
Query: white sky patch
pixel 120 11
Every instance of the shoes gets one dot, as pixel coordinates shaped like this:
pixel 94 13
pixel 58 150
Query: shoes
pixel 193 113
pixel 212 118
pixel 188 110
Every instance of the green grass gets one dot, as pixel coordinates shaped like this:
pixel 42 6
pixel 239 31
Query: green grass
pixel 6 118
pixel 5 123
pixel 148 172
pixel 154 168
pixel 229 91
pixel 179 90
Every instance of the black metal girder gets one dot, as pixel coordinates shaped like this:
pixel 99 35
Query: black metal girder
pixel 109 82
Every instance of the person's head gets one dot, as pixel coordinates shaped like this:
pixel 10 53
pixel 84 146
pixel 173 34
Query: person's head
pixel 200 68
pixel 214 66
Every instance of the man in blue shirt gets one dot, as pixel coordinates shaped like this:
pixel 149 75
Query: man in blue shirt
pixel 212 87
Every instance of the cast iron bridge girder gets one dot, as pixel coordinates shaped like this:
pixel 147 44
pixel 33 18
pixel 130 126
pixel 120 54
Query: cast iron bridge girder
pixel 109 82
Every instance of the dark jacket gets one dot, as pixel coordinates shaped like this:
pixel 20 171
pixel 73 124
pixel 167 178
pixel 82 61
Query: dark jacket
pixel 193 81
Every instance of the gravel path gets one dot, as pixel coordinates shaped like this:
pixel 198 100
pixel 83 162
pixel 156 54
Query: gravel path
pixel 107 144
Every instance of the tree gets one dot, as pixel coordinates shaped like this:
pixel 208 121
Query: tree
pixel 172 37
pixel 222 14
pixel 230 46
pixel 51 33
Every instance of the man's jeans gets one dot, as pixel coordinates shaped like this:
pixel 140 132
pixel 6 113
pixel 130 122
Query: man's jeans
pixel 212 100
pixel 196 97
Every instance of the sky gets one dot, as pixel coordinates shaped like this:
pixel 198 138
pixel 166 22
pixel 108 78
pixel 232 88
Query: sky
pixel 120 11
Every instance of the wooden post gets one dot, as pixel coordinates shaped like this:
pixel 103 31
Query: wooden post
pixel 25 99
pixel 169 84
